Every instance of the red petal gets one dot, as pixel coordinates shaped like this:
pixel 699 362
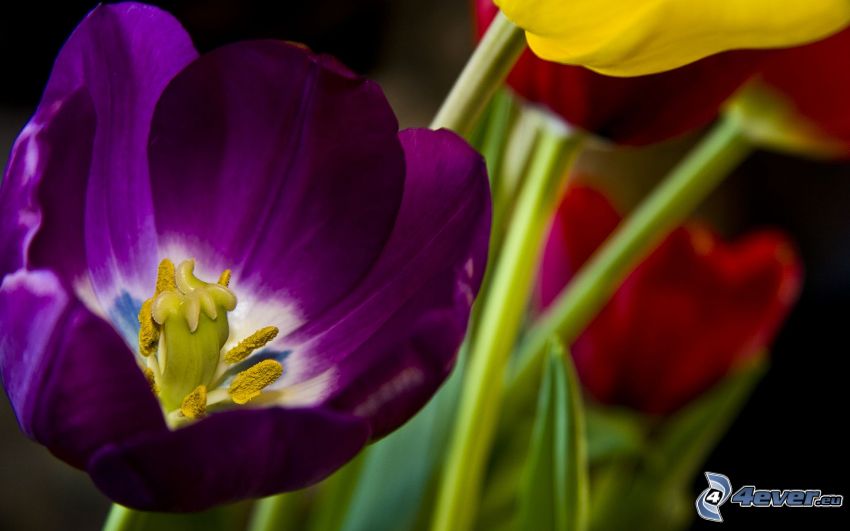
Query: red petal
pixel 692 310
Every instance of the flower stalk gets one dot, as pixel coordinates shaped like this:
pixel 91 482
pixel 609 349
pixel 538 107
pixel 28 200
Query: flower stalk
pixel 724 147
pixel 498 328
pixel 276 512
pixel 481 77
pixel 120 518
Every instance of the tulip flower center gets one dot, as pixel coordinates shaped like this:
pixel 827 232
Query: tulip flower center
pixel 183 332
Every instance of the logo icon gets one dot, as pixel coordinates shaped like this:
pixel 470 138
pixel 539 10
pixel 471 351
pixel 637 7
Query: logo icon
pixel 709 502
pixel 719 491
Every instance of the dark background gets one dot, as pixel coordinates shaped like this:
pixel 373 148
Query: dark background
pixel 792 432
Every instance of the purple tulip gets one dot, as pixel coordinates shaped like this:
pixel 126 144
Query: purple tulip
pixel 349 255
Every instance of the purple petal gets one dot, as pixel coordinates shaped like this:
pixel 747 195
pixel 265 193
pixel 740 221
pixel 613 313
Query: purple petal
pixel 227 457
pixel 42 194
pixel 279 164
pixel 72 382
pixel 122 56
pixel 393 340
pixel 391 376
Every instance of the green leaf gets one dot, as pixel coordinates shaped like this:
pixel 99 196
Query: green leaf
pixel 398 470
pixel 655 495
pixel 554 494
pixel 688 437
pixel 613 433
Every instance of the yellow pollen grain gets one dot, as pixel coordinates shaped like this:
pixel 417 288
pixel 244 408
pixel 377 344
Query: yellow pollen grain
pixel 248 383
pixel 251 343
pixel 151 380
pixel 194 406
pixel 148 330
pixel 224 279
pixel 165 279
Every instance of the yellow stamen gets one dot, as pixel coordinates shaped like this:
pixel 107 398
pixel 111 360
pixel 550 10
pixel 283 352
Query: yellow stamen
pixel 151 380
pixel 251 343
pixel 165 277
pixel 248 383
pixel 224 279
pixel 148 330
pixel 194 406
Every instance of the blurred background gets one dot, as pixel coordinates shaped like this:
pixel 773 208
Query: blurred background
pixel 791 433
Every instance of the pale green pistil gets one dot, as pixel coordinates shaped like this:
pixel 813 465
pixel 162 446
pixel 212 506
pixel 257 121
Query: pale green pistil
pixel 194 325
pixel 184 328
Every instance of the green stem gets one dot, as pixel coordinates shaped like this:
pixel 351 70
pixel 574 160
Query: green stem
pixel 335 493
pixel 483 74
pixel 501 115
pixel 503 195
pixel 500 321
pixel 516 152
pixel 121 518
pixel 276 513
pixel 284 512
pixel 684 188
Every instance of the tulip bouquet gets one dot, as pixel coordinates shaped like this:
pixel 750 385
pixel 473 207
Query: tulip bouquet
pixel 230 284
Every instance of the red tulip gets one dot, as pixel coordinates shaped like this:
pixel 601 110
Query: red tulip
pixel 634 110
pixel 692 310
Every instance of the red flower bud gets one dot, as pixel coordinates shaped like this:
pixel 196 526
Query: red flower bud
pixel 687 314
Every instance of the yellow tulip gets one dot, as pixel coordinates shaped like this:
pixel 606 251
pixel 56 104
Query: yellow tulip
pixel 637 37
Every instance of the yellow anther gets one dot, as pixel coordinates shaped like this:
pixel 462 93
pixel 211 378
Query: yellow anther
pixel 194 406
pixel 151 380
pixel 224 279
pixel 251 343
pixel 248 383
pixel 148 330
pixel 148 327
pixel 165 277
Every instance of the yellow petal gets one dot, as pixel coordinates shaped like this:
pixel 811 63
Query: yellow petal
pixel 638 37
